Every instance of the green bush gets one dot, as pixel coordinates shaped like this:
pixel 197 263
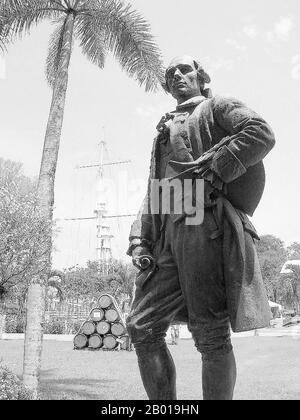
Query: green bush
pixel 15 325
pixel 11 388
pixel 54 326
pixel 59 326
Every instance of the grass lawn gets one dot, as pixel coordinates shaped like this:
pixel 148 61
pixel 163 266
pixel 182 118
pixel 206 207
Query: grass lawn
pixel 268 368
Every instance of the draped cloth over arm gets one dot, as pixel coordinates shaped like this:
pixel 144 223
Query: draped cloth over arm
pixel 251 138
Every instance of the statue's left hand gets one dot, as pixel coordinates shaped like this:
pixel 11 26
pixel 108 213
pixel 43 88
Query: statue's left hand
pixel 142 258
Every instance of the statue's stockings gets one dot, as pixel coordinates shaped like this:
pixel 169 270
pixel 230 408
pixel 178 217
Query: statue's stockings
pixel 159 376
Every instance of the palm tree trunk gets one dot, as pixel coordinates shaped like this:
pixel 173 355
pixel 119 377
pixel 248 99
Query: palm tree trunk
pixel 45 200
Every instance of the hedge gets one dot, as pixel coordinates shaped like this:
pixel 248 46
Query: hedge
pixel 16 325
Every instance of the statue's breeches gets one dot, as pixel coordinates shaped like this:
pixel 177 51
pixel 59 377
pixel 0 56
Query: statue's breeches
pixel 188 286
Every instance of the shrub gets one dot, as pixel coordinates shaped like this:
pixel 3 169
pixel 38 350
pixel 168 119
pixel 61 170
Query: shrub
pixel 64 327
pixel 54 326
pixel 14 325
pixel 11 388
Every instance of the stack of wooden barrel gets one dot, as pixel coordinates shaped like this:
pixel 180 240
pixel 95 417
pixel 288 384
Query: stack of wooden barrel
pixel 104 329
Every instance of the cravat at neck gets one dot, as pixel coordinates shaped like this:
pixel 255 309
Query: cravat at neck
pixel 192 102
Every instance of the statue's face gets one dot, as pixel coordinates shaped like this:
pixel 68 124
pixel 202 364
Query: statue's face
pixel 182 79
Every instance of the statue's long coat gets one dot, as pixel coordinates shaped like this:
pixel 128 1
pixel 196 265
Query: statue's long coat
pixel 239 165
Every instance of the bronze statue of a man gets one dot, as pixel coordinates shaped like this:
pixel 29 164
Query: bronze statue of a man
pixel 206 274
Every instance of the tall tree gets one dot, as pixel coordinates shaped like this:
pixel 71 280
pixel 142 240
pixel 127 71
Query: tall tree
pixel 294 282
pixel 272 255
pixel 22 234
pixel 294 251
pixel 89 282
pixel 121 279
pixel 101 26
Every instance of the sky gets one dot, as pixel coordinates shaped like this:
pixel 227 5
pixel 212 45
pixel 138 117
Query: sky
pixel 251 51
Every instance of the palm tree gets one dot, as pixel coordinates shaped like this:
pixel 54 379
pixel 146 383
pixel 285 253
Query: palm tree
pixel 294 280
pixel 101 26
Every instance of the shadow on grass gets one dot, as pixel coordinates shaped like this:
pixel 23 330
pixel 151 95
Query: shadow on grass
pixel 53 388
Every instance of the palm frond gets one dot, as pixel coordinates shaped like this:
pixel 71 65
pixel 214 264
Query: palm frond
pixel 128 37
pixel 92 41
pixel 18 16
pixel 80 4
pixel 54 52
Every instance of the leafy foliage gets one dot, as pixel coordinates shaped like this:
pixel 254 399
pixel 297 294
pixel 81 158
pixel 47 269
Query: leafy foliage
pixel 17 17
pixel 54 326
pixel 15 325
pixel 294 279
pixel 100 27
pixel 126 34
pixel 22 232
pixel 123 278
pixel 294 251
pixel 272 255
pixel 11 388
pixel 89 282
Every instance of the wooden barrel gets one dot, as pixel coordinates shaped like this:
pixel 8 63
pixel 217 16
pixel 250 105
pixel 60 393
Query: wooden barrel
pixel 95 341
pixel 117 329
pixel 88 328
pixel 111 315
pixel 110 342
pixel 97 314
pixel 80 341
pixel 105 301
pixel 103 327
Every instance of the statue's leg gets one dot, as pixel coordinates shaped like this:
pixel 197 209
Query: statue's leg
pixel 218 377
pixel 157 370
pixel 212 340
pixel 156 302
pixel 199 256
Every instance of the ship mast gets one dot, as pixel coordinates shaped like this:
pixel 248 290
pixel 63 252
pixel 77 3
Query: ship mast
pixel 103 234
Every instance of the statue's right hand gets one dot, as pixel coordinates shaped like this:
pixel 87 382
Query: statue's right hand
pixel 142 258
pixel 164 123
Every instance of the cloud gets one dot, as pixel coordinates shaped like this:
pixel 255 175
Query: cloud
pixel 282 29
pixel 213 64
pixel 251 31
pixel 234 43
pixel 295 73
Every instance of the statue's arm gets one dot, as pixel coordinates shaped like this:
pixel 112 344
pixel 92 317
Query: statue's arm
pixel 251 138
pixel 141 229
pixel 142 234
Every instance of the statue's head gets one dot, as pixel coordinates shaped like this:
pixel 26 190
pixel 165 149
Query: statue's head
pixel 185 78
